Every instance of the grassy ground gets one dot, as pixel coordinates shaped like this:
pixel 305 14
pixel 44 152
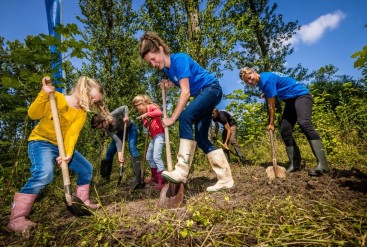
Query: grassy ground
pixel 297 211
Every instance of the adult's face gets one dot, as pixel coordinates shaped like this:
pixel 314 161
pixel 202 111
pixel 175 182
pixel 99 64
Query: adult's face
pixel 251 78
pixel 155 59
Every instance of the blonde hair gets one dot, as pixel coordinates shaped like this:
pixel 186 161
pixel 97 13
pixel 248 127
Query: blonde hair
pixel 82 89
pixel 245 71
pixel 150 42
pixel 142 98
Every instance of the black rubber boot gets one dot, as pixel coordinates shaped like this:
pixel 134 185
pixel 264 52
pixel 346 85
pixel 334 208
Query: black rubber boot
pixel 318 151
pixel 106 168
pixel 136 168
pixel 226 152
pixel 294 158
pixel 240 156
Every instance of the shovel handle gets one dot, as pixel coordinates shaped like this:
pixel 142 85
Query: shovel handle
pixel 273 153
pixel 60 144
pixel 145 151
pixel 123 141
pixel 166 132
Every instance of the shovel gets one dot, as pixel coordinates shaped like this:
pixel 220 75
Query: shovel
pixel 172 194
pixel 141 184
pixel 227 148
pixel 274 171
pixel 123 151
pixel 74 204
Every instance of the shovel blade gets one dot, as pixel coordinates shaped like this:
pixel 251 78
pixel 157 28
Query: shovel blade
pixel 171 195
pixel 273 172
pixel 78 208
pixel 281 172
pixel 270 172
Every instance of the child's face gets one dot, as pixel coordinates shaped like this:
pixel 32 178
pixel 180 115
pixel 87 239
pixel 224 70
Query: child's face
pixel 103 125
pixel 95 96
pixel 142 108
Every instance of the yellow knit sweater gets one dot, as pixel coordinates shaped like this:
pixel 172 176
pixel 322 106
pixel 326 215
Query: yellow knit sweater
pixel 71 121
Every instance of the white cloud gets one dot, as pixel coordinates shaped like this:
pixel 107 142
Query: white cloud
pixel 313 32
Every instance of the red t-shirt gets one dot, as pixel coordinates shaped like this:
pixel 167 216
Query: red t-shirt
pixel 156 122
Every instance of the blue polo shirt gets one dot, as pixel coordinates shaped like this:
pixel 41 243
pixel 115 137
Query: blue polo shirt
pixel 277 84
pixel 183 66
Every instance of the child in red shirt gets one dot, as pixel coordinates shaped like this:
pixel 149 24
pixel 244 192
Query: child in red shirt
pixel 148 110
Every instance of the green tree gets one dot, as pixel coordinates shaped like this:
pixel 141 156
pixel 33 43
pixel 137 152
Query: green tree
pixel 198 29
pixel 110 29
pixel 361 61
pixel 22 67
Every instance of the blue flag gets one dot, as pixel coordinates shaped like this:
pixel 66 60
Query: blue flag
pixel 53 11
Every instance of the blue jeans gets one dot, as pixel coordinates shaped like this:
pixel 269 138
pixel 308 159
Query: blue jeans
pixel 154 152
pixel 131 136
pixel 199 112
pixel 43 155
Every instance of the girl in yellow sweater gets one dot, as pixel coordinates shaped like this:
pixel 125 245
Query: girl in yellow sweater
pixel 42 147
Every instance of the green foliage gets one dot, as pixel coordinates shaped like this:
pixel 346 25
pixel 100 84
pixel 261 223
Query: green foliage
pixel 22 67
pixel 231 33
pixel 251 117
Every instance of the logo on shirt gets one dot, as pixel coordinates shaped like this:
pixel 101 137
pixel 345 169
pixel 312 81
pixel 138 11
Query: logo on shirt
pixel 175 78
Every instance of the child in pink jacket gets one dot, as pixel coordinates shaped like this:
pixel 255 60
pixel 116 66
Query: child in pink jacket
pixel 148 110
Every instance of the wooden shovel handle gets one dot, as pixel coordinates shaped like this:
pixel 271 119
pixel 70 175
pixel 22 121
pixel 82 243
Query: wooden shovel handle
pixel 123 140
pixel 273 153
pixel 166 132
pixel 60 144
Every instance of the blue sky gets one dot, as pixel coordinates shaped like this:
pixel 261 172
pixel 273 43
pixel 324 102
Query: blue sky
pixel 332 30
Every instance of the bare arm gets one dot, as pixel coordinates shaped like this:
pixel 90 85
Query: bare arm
pixel 228 128
pixel 271 106
pixel 182 101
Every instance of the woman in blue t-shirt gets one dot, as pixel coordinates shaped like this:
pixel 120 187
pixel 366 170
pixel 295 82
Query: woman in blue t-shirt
pixel 298 108
pixel 194 81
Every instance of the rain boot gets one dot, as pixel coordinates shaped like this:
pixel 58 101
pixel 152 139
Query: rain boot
pixel 318 151
pixel 82 191
pixel 294 158
pixel 106 168
pixel 227 154
pixel 21 208
pixel 240 156
pixel 137 170
pixel 184 160
pixel 153 177
pixel 160 181
pixel 221 167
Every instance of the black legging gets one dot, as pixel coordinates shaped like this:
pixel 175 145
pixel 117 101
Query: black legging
pixel 298 110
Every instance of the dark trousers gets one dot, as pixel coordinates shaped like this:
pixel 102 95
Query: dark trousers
pixel 298 110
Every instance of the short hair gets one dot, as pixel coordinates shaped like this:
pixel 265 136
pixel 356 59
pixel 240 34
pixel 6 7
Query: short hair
pixel 246 70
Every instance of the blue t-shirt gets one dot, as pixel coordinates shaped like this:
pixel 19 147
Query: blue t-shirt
pixel 277 84
pixel 183 66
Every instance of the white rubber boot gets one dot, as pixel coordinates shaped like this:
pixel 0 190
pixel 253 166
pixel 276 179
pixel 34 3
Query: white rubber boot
pixel 220 165
pixel 184 160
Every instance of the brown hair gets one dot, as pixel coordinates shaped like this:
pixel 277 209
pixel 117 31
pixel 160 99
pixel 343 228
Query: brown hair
pixel 150 42
pixel 97 119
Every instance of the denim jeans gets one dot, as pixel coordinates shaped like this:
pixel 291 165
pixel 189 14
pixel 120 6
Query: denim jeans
pixel 43 155
pixel 131 136
pixel 298 110
pixel 199 113
pixel 154 152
